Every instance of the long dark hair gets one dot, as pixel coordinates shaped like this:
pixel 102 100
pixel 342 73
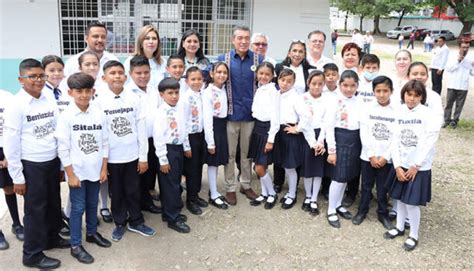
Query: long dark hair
pixel 304 63
pixel 186 34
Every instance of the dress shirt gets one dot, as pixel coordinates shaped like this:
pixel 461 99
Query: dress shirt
pixel 459 72
pixel 320 63
pixel 265 108
pixel 192 102
pixel 440 57
pixel 60 96
pixel 5 100
pixel 316 108
pixel 214 105
pixel 29 132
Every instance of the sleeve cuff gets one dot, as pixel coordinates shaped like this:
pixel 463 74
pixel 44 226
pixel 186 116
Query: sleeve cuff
pixel 163 160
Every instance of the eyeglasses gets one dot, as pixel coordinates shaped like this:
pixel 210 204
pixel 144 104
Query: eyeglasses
pixel 261 44
pixel 41 77
pixel 317 41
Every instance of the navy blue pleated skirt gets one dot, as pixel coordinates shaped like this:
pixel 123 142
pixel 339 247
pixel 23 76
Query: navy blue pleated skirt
pixel 313 166
pixel 416 192
pixel 221 157
pixel 348 148
pixel 288 149
pixel 258 140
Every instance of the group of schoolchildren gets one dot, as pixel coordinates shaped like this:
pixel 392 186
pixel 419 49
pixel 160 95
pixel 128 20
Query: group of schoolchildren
pixel 125 134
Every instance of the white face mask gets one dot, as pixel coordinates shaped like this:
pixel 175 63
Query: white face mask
pixel 370 76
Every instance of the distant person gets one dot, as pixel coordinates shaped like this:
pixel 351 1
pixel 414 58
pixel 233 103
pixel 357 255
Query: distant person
pixel 411 41
pixel 438 63
pixel 334 36
pixel 459 68
pixel 428 43
pixel 400 41
pixel 368 40
pixel 357 38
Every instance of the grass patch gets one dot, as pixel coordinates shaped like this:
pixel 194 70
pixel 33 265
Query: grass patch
pixel 466 124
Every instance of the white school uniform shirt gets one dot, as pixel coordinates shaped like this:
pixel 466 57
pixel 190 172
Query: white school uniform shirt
pixel 126 127
pixel 316 109
pixel 29 129
pixel 63 100
pixel 433 101
pixel 440 57
pixel 265 108
pixel 365 91
pixel 83 141
pixel 214 105
pixel 150 101
pixel 458 72
pixel 377 125
pixel 343 112
pixel 72 64
pixel 300 84
pixel 5 100
pixel 169 128
pixel 415 136
pixel 291 111
pixel 320 63
pixel 330 93
pixel 157 72
pixel 192 102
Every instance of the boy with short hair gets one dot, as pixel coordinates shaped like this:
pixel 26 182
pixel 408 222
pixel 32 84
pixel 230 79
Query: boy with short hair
pixel 175 68
pixel 83 148
pixel 370 68
pixel 171 143
pixel 140 74
pixel 128 146
pixel 331 77
pixel 192 102
pixel 31 151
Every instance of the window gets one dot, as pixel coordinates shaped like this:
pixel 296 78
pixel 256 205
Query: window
pixel 214 19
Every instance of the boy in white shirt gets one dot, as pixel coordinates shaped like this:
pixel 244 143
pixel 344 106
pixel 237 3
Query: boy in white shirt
pixel 128 147
pixel 171 143
pixel 140 74
pixel 83 148
pixel 31 151
pixel 175 69
pixel 370 68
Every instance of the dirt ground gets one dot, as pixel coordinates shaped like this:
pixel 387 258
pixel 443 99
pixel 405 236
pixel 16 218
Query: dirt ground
pixel 245 237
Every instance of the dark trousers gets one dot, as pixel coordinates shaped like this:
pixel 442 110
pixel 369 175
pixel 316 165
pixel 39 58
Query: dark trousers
pixel 193 166
pixel 124 185
pixel 437 80
pixel 152 172
pixel 278 175
pixel 42 208
pixel 147 179
pixel 458 96
pixel 353 187
pixel 371 176
pixel 170 183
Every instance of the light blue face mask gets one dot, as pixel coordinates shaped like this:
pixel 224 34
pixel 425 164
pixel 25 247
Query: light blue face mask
pixel 370 76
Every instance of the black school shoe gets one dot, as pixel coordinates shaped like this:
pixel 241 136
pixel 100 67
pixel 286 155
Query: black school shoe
pixel 19 232
pixel 305 205
pixel 290 205
pixel 258 200
pixel 106 216
pixel 201 202
pixel 409 247
pixel 385 220
pixel 336 223
pixel 344 214
pixel 179 226
pixel 270 204
pixel 152 209
pixel 181 217
pixel 44 263
pixel 3 242
pixel 193 207
pixel 313 208
pixel 358 219
pixel 347 201
pixel 393 233
pixel 98 240
pixel 82 255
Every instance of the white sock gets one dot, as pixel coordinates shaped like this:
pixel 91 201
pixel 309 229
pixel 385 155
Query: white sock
pixel 341 196
pixel 414 214
pixel 336 192
pixel 402 214
pixel 316 185
pixel 212 177
pixel 67 208
pixel 268 182
pixel 104 195
pixel 264 187
pixel 308 183
pixel 395 205
pixel 292 181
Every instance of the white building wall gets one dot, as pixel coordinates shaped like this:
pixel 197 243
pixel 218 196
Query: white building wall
pixel 284 21
pixel 29 28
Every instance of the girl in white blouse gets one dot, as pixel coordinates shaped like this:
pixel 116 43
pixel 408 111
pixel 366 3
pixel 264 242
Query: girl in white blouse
pixel 264 110
pixel 412 150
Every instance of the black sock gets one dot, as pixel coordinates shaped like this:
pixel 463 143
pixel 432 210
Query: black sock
pixel 13 208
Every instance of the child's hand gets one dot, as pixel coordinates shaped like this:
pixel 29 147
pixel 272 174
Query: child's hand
pixel 142 167
pixel 211 151
pixel 73 181
pixel 103 175
pixel 291 130
pixel 20 189
pixel 268 147
pixel 401 174
pixel 382 161
pixel 411 173
pixel 165 168
pixel 319 149
pixel 374 162
pixel 61 176
pixel 332 159
pixel 4 163
pixel 188 154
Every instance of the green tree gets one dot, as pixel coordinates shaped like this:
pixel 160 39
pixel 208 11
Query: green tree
pixel 465 11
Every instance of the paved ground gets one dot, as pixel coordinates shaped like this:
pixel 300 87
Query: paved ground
pixel 246 237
